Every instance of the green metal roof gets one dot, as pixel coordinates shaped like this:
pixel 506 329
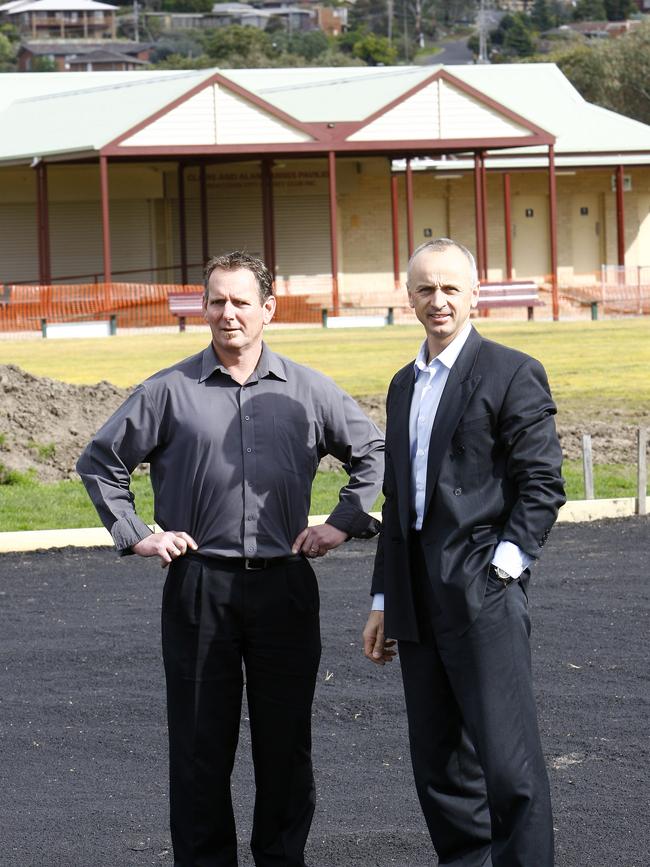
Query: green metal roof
pixel 53 114
pixel 323 95
pixel 67 112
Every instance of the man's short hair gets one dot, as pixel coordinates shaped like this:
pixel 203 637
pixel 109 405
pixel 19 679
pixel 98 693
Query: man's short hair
pixel 238 260
pixel 437 245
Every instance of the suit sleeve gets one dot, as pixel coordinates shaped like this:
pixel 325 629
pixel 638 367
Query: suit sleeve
pixel 534 458
pixel 388 487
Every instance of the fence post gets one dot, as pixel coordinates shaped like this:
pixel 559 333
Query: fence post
pixel 324 316
pixel 587 467
pixel 44 327
pixel 390 319
pixel 642 471
pixel 594 311
pixel 113 325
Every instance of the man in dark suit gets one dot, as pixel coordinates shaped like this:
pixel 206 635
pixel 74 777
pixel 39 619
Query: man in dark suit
pixel 472 489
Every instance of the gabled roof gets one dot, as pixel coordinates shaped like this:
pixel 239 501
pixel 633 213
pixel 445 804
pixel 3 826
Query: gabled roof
pixel 58 6
pixel 101 55
pixel 54 115
pixel 64 48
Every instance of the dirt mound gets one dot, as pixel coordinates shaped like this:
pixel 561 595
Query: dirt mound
pixel 45 424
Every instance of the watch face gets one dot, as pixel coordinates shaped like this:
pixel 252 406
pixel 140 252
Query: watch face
pixel 502 575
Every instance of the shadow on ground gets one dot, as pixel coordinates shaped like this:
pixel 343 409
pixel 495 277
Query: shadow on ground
pixel 83 729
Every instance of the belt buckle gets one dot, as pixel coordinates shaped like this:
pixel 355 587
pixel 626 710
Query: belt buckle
pixel 250 561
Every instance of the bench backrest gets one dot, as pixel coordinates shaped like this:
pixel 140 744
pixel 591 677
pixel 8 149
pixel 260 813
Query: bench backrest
pixel 185 303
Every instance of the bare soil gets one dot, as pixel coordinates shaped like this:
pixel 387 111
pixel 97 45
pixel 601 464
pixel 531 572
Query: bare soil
pixel 44 424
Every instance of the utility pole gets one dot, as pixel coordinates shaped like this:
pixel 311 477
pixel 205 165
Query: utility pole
pixel 482 34
pixel 136 21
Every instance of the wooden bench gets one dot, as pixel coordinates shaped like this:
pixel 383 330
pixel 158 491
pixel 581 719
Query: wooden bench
pixel 510 293
pixel 184 304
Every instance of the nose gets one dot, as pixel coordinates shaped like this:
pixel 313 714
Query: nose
pixel 437 299
pixel 228 310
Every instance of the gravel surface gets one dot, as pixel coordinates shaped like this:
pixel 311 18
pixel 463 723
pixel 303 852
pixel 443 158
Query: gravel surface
pixel 44 424
pixel 84 771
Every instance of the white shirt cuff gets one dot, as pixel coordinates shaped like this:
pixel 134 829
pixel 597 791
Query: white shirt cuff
pixel 511 558
pixel 378 602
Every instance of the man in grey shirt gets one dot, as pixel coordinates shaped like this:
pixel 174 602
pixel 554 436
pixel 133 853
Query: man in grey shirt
pixel 234 435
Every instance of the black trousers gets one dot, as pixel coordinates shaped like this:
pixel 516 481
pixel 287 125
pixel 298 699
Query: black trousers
pixel 217 618
pixel 475 745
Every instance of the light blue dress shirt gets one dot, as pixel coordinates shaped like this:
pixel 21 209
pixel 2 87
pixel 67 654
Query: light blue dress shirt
pixel 430 380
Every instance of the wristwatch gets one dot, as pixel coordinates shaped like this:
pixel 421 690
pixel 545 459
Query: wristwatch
pixel 501 574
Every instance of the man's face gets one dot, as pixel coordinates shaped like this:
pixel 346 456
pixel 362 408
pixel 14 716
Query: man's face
pixel 441 293
pixel 234 312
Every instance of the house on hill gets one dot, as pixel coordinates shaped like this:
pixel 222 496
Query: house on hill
pixel 73 56
pixel 63 19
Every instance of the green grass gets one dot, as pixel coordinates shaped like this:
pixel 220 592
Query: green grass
pixel 610 480
pixel 26 504
pixel 577 356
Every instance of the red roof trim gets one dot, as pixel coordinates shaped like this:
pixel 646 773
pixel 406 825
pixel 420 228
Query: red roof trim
pixel 397 149
pixel 442 74
pixel 220 79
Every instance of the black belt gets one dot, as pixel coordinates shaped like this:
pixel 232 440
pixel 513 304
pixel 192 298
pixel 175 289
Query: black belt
pixel 249 564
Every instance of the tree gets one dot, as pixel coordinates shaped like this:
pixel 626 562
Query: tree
pixel 43 64
pixel 177 44
pixel 630 59
pixel 619 10
pixel 7 54
pixel 518 40
pixel 238 46
pixel 543 16
pixel 375 50
pixel 588 69
pixel 590 10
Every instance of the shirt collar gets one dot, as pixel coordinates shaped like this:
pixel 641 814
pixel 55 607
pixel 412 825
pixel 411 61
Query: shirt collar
pixel 448 355
pixel 269 364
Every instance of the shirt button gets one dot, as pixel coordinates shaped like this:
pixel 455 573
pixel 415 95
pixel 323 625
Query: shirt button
pixel 251 517
pixel 420 452
pixel 249 450
pixel 247 417
pixel 458 492
pixel 251 548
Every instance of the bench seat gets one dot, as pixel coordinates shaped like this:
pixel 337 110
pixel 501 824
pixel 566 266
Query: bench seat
pixel 512 293
pixel 184 304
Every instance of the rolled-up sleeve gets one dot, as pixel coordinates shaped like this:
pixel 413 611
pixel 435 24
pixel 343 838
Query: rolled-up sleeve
pixel 105 466
pixel 358 443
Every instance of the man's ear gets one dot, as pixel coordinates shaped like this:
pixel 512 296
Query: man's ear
pixel 410 297
pixel 269 309
pixel 475 294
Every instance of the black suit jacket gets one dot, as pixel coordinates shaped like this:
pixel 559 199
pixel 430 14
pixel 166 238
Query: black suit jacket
pixel 493 474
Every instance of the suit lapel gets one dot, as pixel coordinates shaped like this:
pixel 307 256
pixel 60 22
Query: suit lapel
pixel 461 384
pixel 400 408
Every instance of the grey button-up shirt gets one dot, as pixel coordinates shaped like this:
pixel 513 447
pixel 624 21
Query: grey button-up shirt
pixel 231 464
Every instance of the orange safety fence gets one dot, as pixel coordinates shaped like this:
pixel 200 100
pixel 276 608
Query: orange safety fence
pixel 136 305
